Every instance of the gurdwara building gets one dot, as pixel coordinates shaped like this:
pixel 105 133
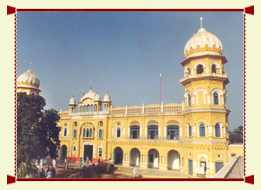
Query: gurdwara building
pixel 187 137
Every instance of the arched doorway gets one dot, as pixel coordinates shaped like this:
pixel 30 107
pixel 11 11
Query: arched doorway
pixel 117 155
pixel 63 151
pixel 173 160
pixel 153 158
pixel 134 157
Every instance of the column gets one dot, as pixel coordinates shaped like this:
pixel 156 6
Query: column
pixel 210 132
pixel 126 158
pixel 194 131
pixel 181 167
pixel 194 165
pixel 162 164
pixel 143 163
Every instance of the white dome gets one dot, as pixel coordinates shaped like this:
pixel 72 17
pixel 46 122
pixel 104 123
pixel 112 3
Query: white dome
pixel 97 97
pixel 203 43
pixel 90 94
pixel 28 79
pixel 72 101
pixel 107 97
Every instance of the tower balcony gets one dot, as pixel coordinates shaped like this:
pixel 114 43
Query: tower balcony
pixel 205 76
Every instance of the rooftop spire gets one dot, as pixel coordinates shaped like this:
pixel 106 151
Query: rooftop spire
pixel 201 18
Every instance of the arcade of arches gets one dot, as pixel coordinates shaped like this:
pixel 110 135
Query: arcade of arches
pixel 153 158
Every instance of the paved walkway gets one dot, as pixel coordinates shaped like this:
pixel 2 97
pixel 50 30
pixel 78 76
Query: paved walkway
pixel 119 172
pixel 150 173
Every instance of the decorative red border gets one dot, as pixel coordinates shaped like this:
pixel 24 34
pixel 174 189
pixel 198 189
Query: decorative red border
pixel 11 10
pixel 15 90
pixel 246 10
pixel 244 91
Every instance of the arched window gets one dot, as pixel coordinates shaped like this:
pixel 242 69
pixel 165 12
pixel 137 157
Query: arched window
pixel 189 100
pixel 74 133
pixel 173 132
pixel 90 132
pixel 65 132
pixel 100 152
pixel 91 107
pixel 100 133
pixel 202 130
pixel 75 124
pixel 200 69
pixel 135 132
pixel 190 131
pixel 118 132
pixel 83 133
pixel 74 149
pixel 216 102
pixel 101 123
pixel 204 163
pixel 95 107
pixel 88 108
pixel 153 132
pixel 213 68
pixel 217 130
pixel 87 135
pixel 188 71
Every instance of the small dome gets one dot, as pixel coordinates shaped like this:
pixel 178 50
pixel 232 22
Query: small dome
pixel 72 101
pixel 97 97
pixel 203 43
pixel 90 94
pixel 107 97
pixel 28 79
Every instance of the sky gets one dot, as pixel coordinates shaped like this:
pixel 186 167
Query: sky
pixel 123 53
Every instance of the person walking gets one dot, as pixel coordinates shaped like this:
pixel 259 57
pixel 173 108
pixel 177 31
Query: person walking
pixel 54 163
pixel 41 163
pixel 65 163
pixel 134 172
pixel 49 173
pixel 81 163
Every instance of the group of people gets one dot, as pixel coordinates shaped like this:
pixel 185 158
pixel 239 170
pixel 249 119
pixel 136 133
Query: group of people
pixel 50 172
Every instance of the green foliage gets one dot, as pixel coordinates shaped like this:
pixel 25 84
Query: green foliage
pixel 236 136
pixel 37 131
pixel 50 120
pixel 24 169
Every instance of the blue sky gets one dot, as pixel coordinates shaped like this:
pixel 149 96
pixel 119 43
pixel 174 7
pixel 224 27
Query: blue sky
pixel 123 53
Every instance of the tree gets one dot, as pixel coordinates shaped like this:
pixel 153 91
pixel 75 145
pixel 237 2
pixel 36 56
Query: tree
pixel 50 122
pixel 37 132
pixel 236 136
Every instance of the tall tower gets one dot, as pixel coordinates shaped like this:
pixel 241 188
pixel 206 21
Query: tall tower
pixel 107 102
pixel 28 82
pixel 72 104
pixel 205 113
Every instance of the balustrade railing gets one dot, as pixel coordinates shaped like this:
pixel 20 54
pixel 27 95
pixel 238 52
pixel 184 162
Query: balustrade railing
pixel 204 75
pixel 145 139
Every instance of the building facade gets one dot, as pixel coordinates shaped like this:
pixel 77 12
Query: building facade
pixel 190 137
